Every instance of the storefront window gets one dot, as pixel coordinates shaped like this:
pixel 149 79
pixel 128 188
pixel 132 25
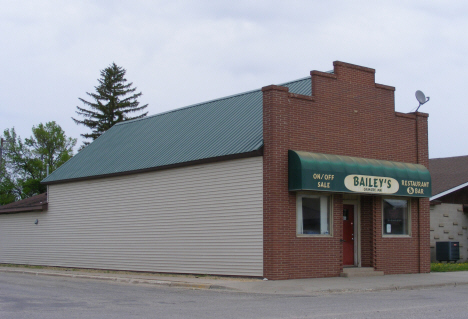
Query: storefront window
pixel 313 215
pixel 395 217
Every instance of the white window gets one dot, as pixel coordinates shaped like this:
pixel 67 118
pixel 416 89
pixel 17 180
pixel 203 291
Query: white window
pixel 313 214
pixel 396 216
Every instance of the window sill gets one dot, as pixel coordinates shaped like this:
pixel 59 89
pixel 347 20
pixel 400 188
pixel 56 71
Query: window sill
pixel 315 235
pixel 396 236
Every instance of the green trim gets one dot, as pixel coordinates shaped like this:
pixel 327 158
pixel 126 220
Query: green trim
pixel 345 174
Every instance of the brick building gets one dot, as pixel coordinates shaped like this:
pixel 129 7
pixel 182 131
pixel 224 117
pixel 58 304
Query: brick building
pixel 309 178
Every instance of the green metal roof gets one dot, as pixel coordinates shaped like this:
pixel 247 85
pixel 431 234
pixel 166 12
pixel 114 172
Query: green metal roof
pixel 302 86
pixel 227 126
pixel 334 173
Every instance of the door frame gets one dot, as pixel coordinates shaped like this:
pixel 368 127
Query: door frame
pixel 357 228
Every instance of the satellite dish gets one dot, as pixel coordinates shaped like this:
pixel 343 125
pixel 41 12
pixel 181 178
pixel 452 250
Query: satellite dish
pixel 421 98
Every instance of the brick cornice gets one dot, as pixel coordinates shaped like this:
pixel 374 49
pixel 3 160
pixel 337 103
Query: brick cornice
pixel 275 88
pixel 409 116
pixel 301 97
pixel 384 87
pixel 323 74
pixel 420 114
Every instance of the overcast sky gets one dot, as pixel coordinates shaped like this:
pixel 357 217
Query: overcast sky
pixel 184 52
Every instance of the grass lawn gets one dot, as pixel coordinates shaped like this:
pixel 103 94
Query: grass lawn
pixel 449 267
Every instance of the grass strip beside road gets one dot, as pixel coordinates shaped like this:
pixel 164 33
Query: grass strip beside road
pixel 444 267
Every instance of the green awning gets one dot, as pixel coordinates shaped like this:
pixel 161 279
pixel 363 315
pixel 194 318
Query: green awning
pixel 345 174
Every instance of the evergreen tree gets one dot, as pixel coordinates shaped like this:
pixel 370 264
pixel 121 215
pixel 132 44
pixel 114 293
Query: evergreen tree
pixel 113 101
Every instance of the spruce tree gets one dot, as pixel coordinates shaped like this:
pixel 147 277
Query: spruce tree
pixel 113 101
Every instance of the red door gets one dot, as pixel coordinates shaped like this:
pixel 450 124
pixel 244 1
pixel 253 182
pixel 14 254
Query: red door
pixel 348 235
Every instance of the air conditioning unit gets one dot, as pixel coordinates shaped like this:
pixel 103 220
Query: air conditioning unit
pixel 447 250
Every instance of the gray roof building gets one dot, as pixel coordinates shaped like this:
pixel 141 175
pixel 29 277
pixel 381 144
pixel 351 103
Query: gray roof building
pixel 448 174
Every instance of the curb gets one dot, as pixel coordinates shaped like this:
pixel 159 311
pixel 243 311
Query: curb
pixel 393 288
pixel 167 283
pixel 202 286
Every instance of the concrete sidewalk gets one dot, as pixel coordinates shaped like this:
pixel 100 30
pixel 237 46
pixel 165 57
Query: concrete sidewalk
pixel 316 286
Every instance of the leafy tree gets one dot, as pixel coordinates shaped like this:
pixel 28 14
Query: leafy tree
pixel 50 143
pixel 21 166
pixel 8 192
pixel 25 162
pixel 113 101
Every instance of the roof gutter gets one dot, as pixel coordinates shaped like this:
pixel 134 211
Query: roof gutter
pixel 34 208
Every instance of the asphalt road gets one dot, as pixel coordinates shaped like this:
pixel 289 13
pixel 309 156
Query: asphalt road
pixel 27 296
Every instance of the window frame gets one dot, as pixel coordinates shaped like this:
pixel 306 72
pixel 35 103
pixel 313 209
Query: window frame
pixel 408 226
pixel 299 217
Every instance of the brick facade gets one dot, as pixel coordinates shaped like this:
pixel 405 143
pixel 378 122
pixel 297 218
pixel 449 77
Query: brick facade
pixel 347 114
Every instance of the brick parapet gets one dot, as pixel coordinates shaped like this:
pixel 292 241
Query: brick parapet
pixel 423 139
pixel 276 226
pixel 355 74
pixel 339 64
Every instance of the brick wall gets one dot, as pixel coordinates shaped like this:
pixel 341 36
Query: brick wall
pixel 367 231
pixel 397 255
pixel 347 114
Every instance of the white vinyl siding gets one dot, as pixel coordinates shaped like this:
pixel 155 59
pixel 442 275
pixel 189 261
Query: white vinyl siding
pixel 204 218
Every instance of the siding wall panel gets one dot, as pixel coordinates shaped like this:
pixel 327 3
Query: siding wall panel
pixel 198 219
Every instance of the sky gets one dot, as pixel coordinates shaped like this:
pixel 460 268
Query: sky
pixel 179 53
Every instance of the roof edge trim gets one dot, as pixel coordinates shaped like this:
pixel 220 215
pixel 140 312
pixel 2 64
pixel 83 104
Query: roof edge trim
pixel 257 152
pixel 449 191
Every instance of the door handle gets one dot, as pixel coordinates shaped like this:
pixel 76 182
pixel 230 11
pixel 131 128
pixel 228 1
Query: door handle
pixel 342 241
